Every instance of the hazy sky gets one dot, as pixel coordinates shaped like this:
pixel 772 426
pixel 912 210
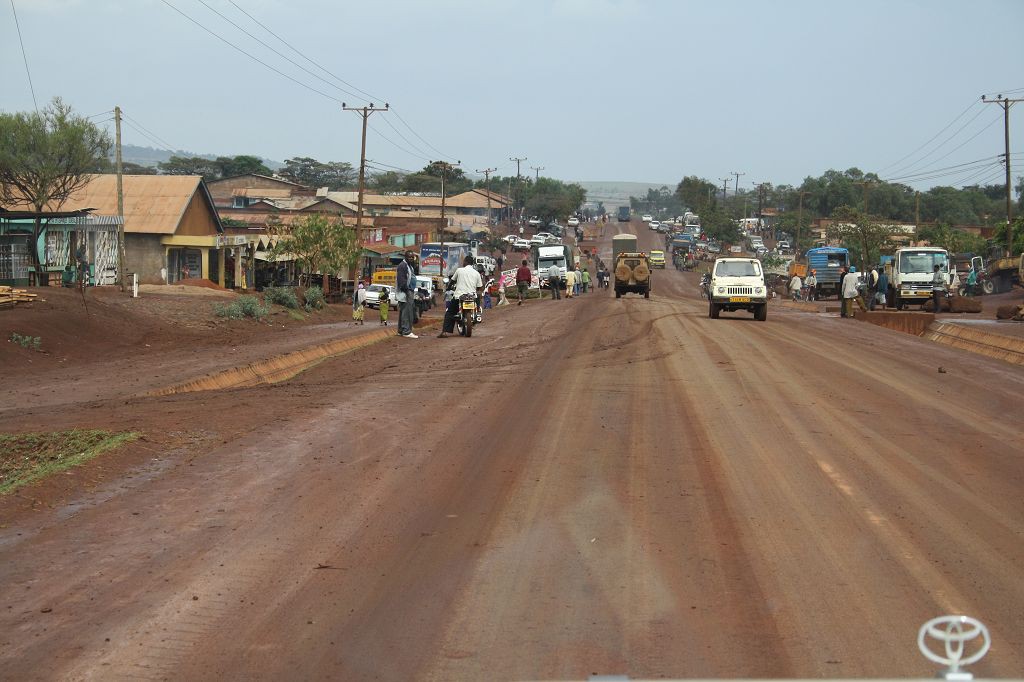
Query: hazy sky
pixel 640 90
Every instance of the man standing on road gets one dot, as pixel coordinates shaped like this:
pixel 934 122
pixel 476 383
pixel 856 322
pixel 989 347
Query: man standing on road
pixel 554 281
pixel 811 282
pixel 842 296
pixel 938 288
pixel 882 288
pixel 523 279
pixel 795 285
pixel 467 280
pixel 406 295
pixel 586 280
pixel 851 292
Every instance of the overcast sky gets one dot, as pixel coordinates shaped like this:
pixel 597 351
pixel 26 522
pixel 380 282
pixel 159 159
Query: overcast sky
pixel 639 90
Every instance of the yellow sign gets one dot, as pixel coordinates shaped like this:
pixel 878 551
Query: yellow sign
pixel 739 299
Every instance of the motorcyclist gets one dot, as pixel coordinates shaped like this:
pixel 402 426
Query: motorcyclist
pixel 465 280
pixel 705 284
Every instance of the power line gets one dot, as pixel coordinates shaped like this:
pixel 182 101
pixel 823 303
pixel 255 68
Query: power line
pixel 912 164
pixel 398 146
pixel 251 56
pixel 279 54
pixel 301 54
pixel 959 165
pixel 24 56
pixel 341 80
pixel 948 125
pixel 153 135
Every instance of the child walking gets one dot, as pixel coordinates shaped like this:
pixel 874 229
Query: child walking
pixel 385 303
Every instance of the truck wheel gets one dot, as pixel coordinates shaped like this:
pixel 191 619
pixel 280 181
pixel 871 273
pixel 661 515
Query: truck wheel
pixel 761 312
pixel 900 305
pixel 988 287
pixel 713 310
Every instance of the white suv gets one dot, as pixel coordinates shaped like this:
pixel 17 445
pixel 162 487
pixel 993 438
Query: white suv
pixel 738 284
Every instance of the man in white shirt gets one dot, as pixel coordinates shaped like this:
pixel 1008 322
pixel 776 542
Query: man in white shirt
pixel 467 280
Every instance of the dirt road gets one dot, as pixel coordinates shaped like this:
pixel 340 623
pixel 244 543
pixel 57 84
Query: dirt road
pixel 586 486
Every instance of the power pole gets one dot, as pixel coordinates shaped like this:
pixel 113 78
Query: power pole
pixel 725 189
pixel 737 189
pixel 487 183
pixel 866 185
pixel 363 112
pixel 518 161
pixel 536 172
pixel 121 274
pixel 799 223
pixel 917 210
pixel 760 204
pixel 445 167
pixel 1006 103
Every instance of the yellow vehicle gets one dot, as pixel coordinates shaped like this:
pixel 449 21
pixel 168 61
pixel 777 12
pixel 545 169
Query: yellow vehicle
pixel 658 259
pixel 388 276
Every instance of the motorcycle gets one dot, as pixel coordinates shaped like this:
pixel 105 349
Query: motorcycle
pixel 705 283
pixel 469 314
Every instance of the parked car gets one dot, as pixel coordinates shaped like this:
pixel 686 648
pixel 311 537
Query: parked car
pixel 653 224
pixel 714 247
pixel 510 238
pixel 573 222
pixel 521 244
pixel 373 295
pixel 647 218
pixel 534 221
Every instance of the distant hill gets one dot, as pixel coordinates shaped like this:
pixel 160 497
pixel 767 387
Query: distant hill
pixel 615 193
pixel 148 156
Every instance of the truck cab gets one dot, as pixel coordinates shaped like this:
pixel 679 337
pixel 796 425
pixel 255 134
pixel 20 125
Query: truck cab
pixel 911 271
pixel 738 284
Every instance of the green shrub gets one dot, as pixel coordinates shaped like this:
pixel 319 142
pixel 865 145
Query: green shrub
pixel 314 297
pixel 33 342
pixel 244 306
pixel 281 296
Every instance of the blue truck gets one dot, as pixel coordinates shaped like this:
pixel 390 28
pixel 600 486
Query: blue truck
pixel 624 214
pixel 827 262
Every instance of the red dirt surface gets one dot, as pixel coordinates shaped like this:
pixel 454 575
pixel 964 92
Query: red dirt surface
pixel 586 486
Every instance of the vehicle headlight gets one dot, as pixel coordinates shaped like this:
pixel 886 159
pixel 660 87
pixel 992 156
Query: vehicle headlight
pixel 759 290
pixel 721 290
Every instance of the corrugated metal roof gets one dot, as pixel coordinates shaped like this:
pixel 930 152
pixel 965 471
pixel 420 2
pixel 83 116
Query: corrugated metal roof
pixel 153 204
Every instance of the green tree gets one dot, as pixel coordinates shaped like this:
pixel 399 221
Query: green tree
pixel 389 181
pixel 952 239
pixel 321 243
pixel 334 175
pixel 717 225
pixel 190 165
pixel 231 166
pixel 551 199
pixel 863 234
pixel 696 193
pixel 46 156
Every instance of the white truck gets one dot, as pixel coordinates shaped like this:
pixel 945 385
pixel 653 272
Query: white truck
pixel 911 272
pixel 738 284
pixel 546 256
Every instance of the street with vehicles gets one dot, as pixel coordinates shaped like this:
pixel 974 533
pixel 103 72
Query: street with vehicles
pixel 711 498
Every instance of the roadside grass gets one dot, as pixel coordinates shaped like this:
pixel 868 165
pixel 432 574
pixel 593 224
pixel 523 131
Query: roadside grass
pixel 29 457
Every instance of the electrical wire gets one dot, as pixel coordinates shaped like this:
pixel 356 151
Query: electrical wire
pixel 24 56
pixel 153 135
pixel 932 139
pixel 959 165
pixel 961 145
pixel 398 146
pixel 301 54
pixel 281 73
pixel 278 53
pixel 914 164
pixel 344 82
pixel 251 56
